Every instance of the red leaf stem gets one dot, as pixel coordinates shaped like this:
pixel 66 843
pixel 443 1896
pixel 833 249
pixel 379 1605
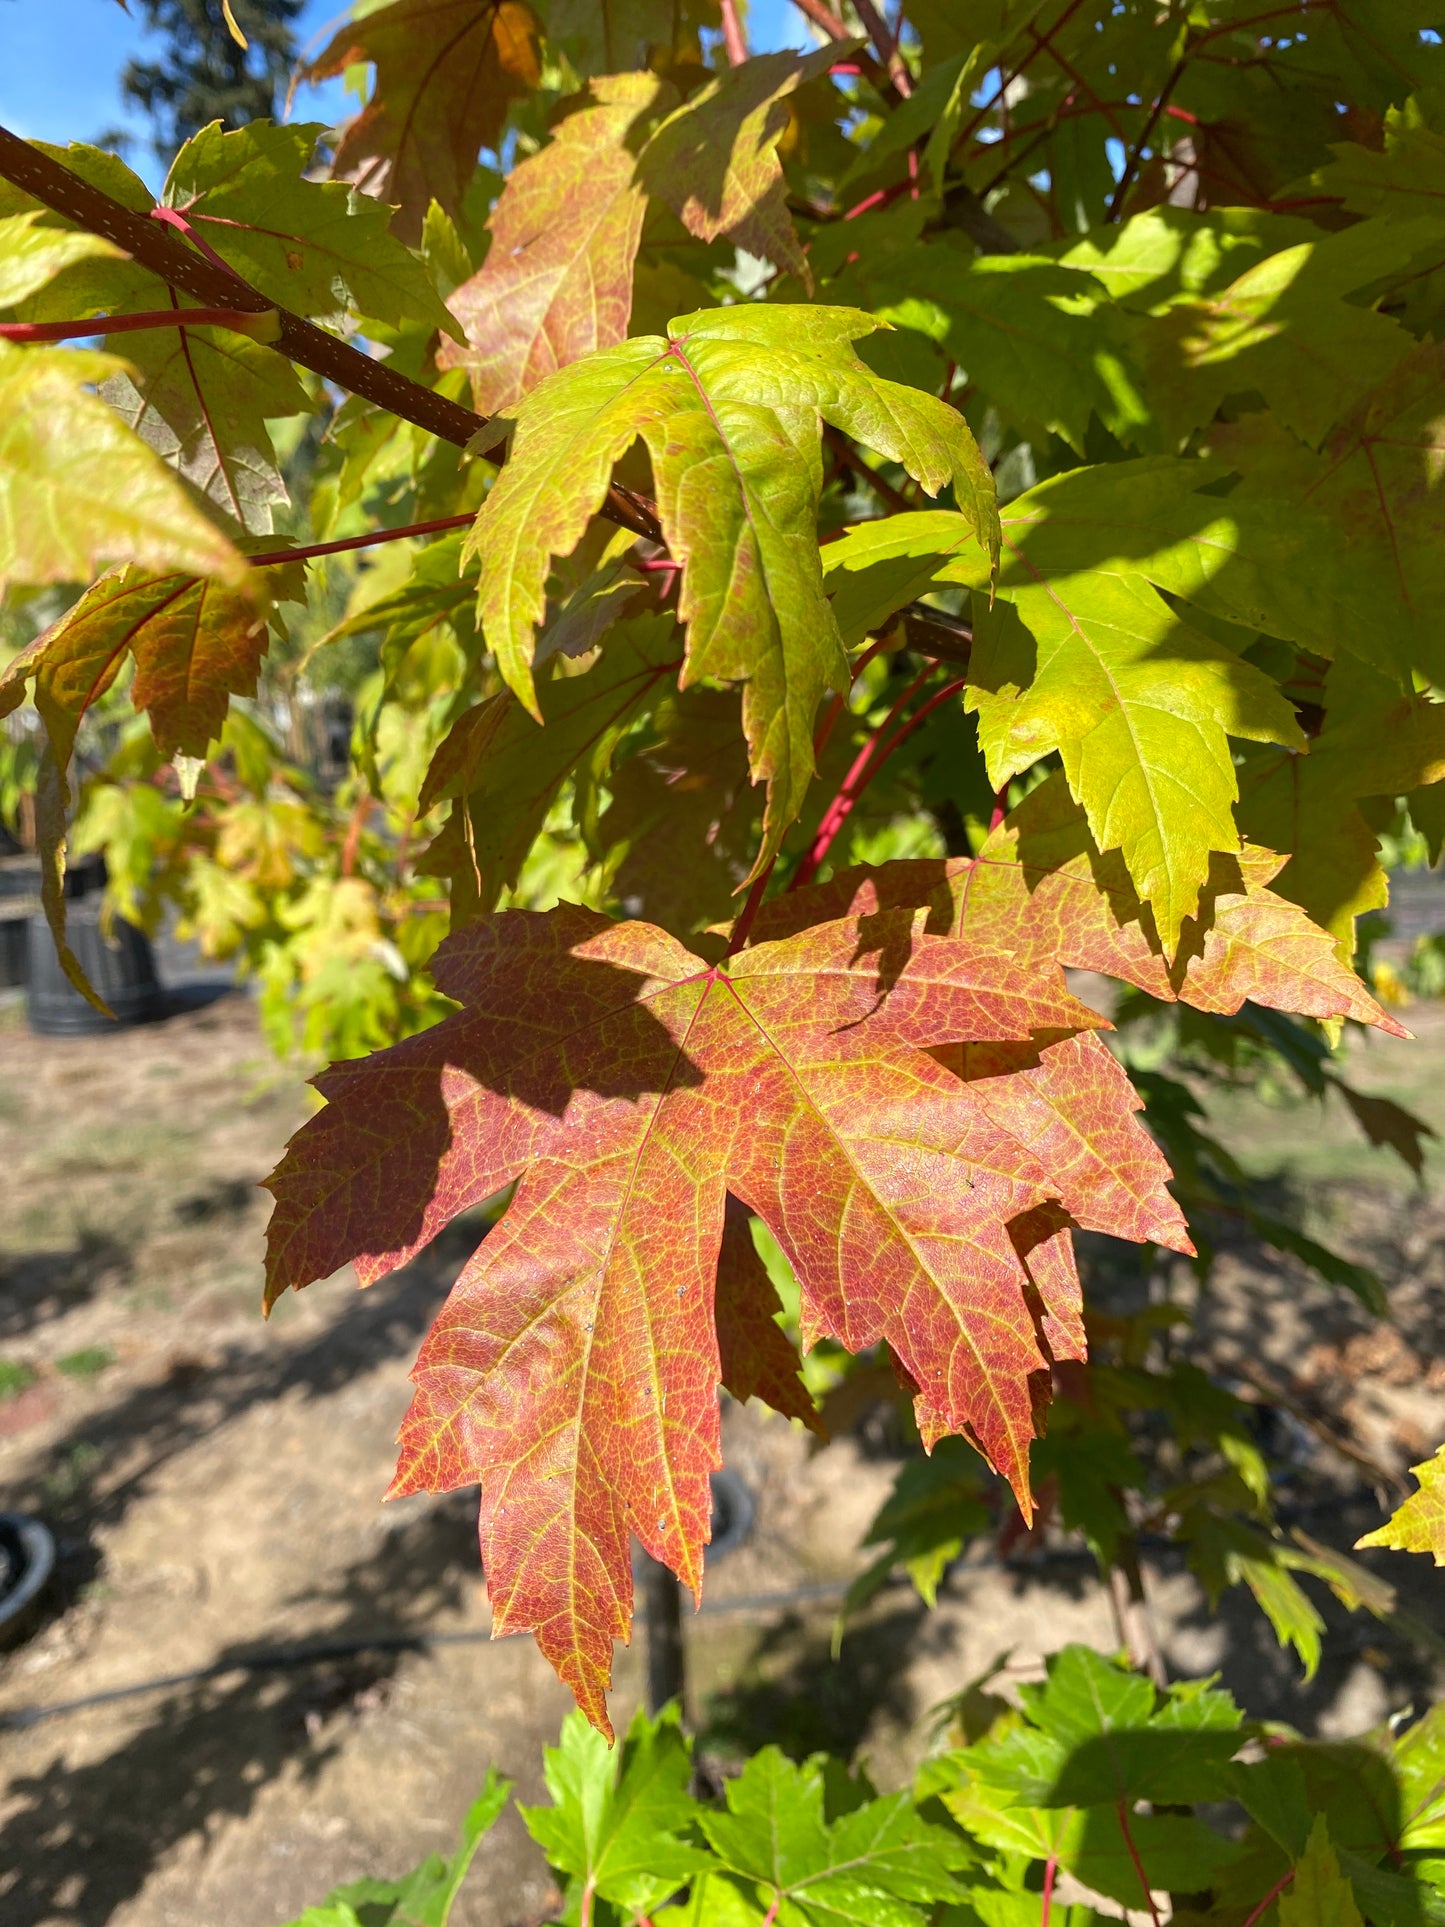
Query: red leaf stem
pixel 1122 1810
pixel 1000 809
pixel 884 197
pixel 172 217
pixel 835 706
pixel 1051 1867
pixel 866 766
pixel 242 319
pixel 1275 1891
pixel 748 914
pixel 734 40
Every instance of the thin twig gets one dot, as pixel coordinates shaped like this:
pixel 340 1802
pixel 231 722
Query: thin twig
pixel 1136 153
pixel 368 541
pixel 1274 1893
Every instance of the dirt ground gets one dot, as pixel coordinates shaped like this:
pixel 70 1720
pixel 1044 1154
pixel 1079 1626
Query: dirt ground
pixel 215 1483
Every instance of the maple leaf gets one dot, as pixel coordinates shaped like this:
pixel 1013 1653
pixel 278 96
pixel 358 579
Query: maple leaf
pixel 714 160
pixel 615 1825
pixel 877 1860
pixel 1091 662
pixel 1358 527
pixel 79 489
pixel 315 247
pixel 1284 329
pixel 756 1356
pixel 202 397
pixel 1376 742
pixel 1030 333
pixel 504 773
pixel 676 837
pixel 1419 1524
pixel 606 36
pixel 446 73
pixel 630 1087
pixel 557 280
pixel 1042 890
pixel 730 406
pixel 195 642
pixel 32 255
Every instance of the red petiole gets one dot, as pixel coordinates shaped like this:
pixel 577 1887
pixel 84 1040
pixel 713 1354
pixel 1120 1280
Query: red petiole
pixel 243 320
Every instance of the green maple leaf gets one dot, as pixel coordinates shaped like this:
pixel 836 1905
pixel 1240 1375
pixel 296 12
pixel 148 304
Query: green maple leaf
pixel 935 1506
pixel 607 36
pixel 424 1897
pixel 1357 527
pixel 676 838
pixel 879 1864
pixel 615 1824
pixel 1319 1895
pixel 1376 743
pixel 1095 664
pixel 714 160
pixel 201 397
pixel 504 771
pixel 730 406
pixel 557 280
pixel 79 489
pixel 1285 330
pixel 1031 334
pixel 315 247
pixel 1097 1734
pixel 446 73
pixel 31 255
pixel 1419 1524
pixel 1157 256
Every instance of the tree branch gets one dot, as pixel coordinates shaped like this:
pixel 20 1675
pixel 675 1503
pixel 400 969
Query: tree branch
pixel 301 341
pixel 244 321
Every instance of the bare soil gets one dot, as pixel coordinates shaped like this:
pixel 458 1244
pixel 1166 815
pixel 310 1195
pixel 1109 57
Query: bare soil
pixel 215 1482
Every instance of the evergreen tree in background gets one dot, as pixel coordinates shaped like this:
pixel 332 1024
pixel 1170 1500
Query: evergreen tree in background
pixel 203 74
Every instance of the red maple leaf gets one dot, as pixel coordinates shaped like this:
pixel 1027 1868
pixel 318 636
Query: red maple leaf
pixel 917 1119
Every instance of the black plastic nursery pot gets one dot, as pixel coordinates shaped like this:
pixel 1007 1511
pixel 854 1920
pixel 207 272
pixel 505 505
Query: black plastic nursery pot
pixel 27 1560
pixel 115 956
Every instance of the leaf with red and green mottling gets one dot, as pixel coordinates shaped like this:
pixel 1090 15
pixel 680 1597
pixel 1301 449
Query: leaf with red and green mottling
pixel 1419 1524
pixel 1041 889
pixel 503 773
pixel 714 161
pixel 196 643
pixel 629 1087
pixel 756 1356
pixel 79 489
pixel 731 406
pixel 557 280
pixel 446 73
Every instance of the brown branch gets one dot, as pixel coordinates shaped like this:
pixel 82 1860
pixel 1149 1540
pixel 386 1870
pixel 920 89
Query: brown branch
pixel 885 46
pixel 301 341
pixel 1136 153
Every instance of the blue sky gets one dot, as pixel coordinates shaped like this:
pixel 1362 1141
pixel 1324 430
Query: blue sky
pixel 60 63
